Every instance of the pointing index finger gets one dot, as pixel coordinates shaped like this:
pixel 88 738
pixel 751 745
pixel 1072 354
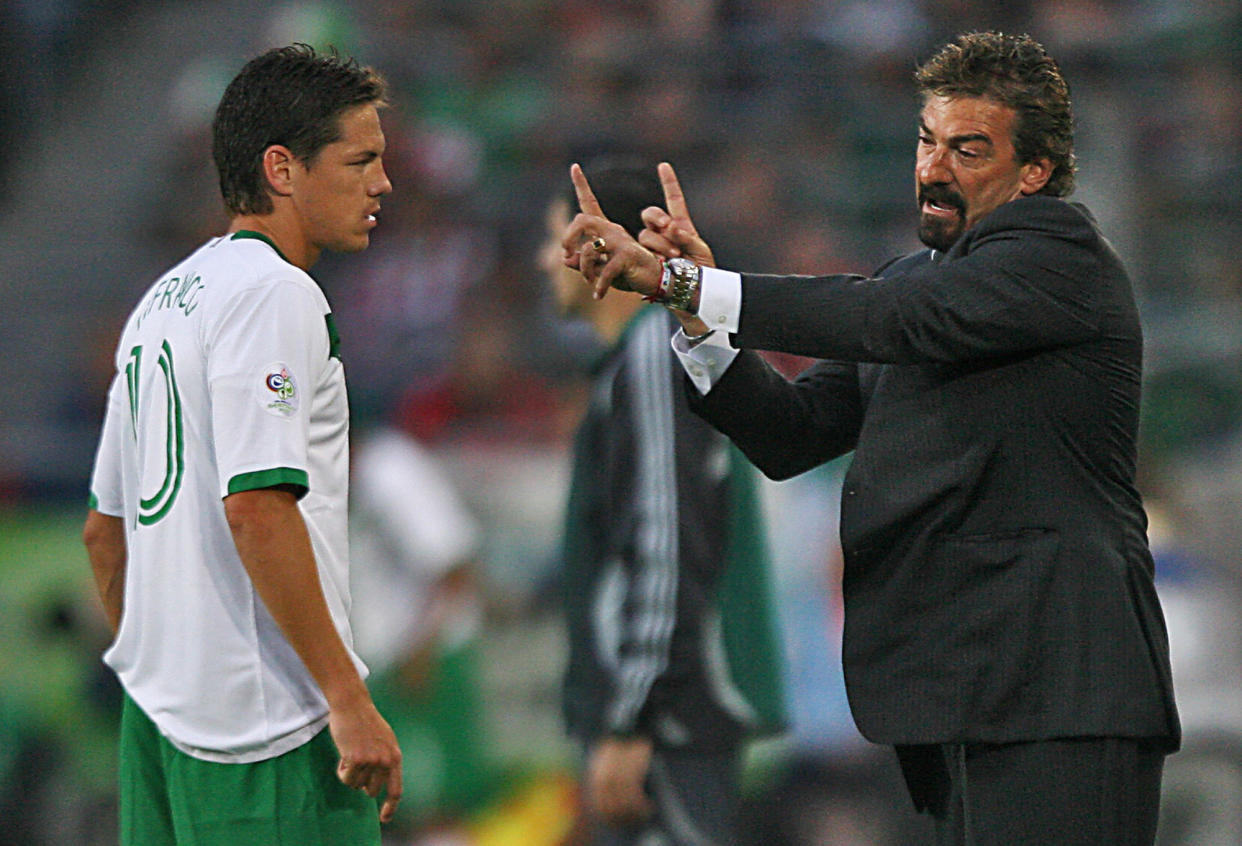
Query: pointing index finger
pixel 586 197
pixel 673 196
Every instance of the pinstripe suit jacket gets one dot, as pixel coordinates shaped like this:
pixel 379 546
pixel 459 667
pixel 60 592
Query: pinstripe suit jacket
pixel 997 583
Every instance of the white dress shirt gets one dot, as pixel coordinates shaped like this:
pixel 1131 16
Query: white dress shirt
pixel 720 307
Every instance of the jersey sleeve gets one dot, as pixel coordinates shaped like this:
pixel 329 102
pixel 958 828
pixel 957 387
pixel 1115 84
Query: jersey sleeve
pixel 107 488
pixel 264 357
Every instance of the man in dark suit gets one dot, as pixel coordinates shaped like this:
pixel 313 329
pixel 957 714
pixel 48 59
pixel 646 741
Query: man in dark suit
pixel 1002 630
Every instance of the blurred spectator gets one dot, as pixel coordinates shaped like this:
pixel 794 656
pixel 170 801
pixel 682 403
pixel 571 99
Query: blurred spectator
pixel 417 616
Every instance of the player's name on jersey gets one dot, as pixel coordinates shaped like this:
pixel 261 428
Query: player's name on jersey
pixel 174 292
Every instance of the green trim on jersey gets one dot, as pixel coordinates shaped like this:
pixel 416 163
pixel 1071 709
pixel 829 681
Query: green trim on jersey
pixel 152 509
pixel 241 234
pixel 93 501
pixel 334 337
pixel 270 479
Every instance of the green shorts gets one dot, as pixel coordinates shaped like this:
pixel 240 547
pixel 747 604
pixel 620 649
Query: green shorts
pixel 169 797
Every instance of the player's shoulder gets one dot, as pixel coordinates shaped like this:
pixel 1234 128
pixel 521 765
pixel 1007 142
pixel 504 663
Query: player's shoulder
pixel 245 267
pixel 246 259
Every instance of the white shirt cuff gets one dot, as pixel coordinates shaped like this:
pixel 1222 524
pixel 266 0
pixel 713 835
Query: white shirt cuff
pixel 706 361
pixel 720 299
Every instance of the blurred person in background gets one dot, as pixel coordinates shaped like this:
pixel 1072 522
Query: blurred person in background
pixel 217 528
pixel 1002 629
pixel 672 656
pixel 414 549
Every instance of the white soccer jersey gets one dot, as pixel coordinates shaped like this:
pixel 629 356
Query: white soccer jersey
pixel 227 380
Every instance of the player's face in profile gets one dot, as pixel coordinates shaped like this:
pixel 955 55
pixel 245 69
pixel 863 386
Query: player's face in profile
pixel 338 193
pixel 966 166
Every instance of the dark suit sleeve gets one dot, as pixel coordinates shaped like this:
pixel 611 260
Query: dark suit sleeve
pixel 784 428
pixel 1020 281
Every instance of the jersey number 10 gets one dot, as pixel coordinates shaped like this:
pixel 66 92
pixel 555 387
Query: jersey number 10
pixel 153 508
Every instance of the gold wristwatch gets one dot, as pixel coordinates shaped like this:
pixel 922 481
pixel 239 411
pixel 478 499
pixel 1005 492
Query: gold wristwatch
pixel 681 279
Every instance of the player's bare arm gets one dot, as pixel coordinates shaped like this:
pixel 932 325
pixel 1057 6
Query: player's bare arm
pixel 275 548
pixel 104 537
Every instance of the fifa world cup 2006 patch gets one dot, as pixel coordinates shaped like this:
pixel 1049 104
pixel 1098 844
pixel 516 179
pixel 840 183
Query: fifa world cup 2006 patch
pixel 278 392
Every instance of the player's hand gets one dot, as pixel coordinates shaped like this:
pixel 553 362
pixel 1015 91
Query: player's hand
pixel 602 251
pixel 370 758
pixel 672 233
pixel 616 779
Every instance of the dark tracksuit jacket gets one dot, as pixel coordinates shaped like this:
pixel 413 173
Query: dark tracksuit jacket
pixel 661 515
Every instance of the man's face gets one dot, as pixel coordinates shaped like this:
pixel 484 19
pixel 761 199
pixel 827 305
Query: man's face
pixel 573 295
pixel 966 166
pixel 337 195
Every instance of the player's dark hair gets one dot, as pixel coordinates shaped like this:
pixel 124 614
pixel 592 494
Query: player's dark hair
pixel 624 185
pixel 1017 72
pixel 291 96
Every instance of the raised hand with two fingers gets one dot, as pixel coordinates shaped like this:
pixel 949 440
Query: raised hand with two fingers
pixel 671 233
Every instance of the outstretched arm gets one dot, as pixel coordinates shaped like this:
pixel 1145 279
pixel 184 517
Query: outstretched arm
pixel 783 427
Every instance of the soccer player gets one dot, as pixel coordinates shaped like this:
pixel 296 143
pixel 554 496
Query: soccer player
pixel 217 527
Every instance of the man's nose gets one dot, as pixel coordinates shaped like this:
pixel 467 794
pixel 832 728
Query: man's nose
pixel 382 185
pixel 931 168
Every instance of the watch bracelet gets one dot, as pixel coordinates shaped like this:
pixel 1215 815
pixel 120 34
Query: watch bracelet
pixel 681 288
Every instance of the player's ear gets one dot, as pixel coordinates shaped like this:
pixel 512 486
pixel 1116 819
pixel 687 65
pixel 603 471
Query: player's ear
pixel 278 169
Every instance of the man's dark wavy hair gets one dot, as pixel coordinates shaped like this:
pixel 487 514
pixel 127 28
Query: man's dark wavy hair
pixel 291 96
pixel 1015 71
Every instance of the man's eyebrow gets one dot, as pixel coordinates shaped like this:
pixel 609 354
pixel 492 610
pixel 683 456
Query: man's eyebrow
pixel 958 140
